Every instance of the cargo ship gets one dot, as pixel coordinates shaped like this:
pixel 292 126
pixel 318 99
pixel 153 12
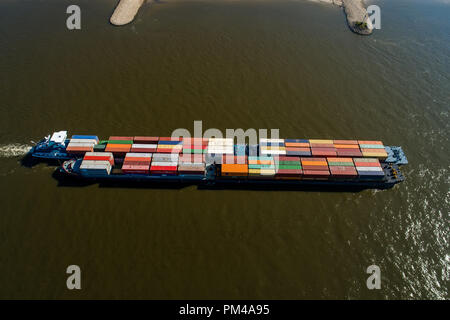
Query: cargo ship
pixel 318 163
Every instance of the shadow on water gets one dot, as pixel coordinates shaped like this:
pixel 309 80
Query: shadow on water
pixel 65 180
pixel 74 181
pixel 29 161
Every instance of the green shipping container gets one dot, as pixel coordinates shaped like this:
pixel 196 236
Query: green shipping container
pixel 288 167
pixel 120 141
pixel 289 163
pixel 194 151
pixel 341 164
pixel 99 147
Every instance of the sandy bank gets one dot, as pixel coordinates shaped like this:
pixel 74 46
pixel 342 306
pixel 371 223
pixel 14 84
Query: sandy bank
pixel 125 11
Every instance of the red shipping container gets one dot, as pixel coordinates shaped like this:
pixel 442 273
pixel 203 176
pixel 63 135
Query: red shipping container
pixel 120 138
pixel 313 159
pixel 343 171
pixel 145 140
pixel 367 164
pixel 289 172
pixel 100 158
pixel 329 152
pixel 170 139
pixel 316 173
pixel 312 167
pixel 163 168
pixel 298 149
pixel 137 163
pixel 322 145
pixel 349 153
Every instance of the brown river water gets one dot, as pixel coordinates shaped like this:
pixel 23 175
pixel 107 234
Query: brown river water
pixel 291 65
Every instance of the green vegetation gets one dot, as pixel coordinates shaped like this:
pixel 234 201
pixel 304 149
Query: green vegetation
pixel 361 25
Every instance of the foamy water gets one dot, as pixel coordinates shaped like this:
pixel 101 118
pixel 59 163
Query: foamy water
pixel 13 150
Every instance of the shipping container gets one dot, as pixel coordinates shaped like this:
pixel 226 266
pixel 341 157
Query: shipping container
pixel 145 140
pixel 116 138
pixel 79 136
pixel 345 142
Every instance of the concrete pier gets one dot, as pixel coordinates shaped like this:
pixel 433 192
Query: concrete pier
pixel 125 12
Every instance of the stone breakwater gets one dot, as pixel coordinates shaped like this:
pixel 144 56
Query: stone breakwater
pixel 125 12
pixel 357 18
pixel 356 13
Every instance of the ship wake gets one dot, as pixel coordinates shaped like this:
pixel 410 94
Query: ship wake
pixel 13 150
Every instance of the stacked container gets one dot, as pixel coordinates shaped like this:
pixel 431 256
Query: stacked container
pixel 97 164
pixel 99 156
pixel 80 144
pixel 369 168
pixel 100 146
pixel 137 163
pixel 261 167
pixel 342 167
pixel 374 149
pixel 195 145
pixel 271 147
pixel 170 146
pixel 231 159
pixel 253 150
pixel 297 147
pixel 191 164
pixel 164 163
pixel 145 144
pixel 347 148
pixel 315 168
pixel 234 170
pixel 322 148
pixel 119 145
pixel 289 167
pixel 219 146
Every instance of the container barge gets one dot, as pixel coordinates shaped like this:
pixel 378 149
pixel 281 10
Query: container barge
pixel 317 163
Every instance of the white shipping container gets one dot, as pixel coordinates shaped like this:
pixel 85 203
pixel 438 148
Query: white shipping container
pixel 87 163
pixel 271 140
pixel 144 146
pixel 93 141
pixel 80 144
pixel 165 164
pixel 99 154
pixel 379 169
pixel 138 155
pixel 165 157
pixel 270 152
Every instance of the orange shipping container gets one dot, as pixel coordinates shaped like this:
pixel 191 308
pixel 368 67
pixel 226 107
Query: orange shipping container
pixel 369 142
pixel 346 142
pixel 346 146
pixel 234 169
pixel 314 163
